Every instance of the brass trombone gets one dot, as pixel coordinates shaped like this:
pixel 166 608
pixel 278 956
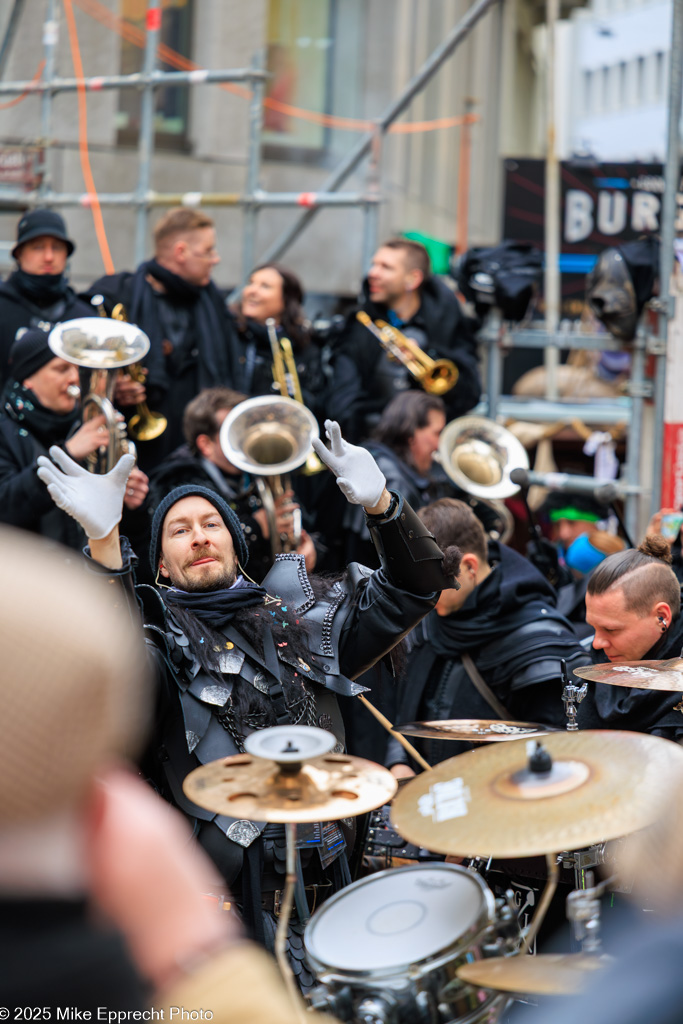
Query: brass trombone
pixel 286 378
pixel 436 376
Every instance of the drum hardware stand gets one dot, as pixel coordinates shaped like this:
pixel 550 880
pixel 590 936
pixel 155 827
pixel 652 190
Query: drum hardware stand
pixel 572 695
pixel 396 735
pixel 583 911
pixel 506 931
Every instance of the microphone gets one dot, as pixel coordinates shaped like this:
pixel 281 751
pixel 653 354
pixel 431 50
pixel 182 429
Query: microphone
pixel 605 491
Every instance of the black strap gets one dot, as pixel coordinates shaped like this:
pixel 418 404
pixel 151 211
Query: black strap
pixel 252 866
pixel 483 688
pixel 275 693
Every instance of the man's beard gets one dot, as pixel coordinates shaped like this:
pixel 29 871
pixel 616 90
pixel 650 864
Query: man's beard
pixel 223 581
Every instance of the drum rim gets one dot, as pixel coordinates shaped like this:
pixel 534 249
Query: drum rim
pixel 479 926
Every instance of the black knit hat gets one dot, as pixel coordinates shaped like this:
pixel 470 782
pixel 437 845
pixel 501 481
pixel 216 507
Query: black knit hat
pixel 42 222
pixel 226 513
pixel 28 354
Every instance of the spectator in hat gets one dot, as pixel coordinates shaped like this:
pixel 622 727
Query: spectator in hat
pixel 37 294
pixel 40 409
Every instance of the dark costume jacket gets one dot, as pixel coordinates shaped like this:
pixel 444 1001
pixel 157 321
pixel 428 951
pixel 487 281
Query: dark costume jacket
pixel 516 638
pixel 618 707
pixel 255 365
pixel 193 343
pixel 344 627
pixel 365 379
pixel 22 307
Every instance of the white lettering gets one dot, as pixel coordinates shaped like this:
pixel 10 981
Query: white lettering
pixel 578 218
pixel 644 212
pixel 612 212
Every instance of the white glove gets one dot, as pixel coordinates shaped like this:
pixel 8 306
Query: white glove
pixel 93 500
pixel 359 478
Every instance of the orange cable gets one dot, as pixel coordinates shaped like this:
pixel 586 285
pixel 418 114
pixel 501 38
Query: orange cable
pixel 27 90
pixel 136 36
pixel 83 140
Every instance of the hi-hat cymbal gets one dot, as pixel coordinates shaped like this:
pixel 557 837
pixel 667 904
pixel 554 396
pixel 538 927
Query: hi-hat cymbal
pixel 324 789
pixel 487 803
pixel 644 675
pixel 473 730
pixel 549 974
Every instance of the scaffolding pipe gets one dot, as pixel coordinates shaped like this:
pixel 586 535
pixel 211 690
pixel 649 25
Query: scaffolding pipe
pixel 50 35
pixel 551 284
pixel 10 32
pixel 146 133
pixel 138 80
pixel 371 214
pixel 668 226
pixel 23 200
pixel 393 111
pixel 253 169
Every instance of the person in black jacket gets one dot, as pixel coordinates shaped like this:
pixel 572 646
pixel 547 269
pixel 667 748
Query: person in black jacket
pixel 233 657
pixel 175 302
pixel 274 292
pixel 633 603
pixel 37 294
pixel 401 290
pixel 39 409
pixel 504 619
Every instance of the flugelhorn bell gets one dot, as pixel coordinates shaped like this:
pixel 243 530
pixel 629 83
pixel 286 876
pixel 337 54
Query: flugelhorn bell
pixel 479 455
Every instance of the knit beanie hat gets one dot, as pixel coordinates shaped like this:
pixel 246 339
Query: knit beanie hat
pixel 28 354
pixel 226 513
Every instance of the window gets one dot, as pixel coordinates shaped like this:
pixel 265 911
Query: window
pixel 588 92
pixel 299 59
pixel 660 73
pixel 606 98
pixel 622 98
pixel 171 104
pixel 640 80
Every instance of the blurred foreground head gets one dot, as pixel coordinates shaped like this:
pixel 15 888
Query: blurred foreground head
pixel 73 680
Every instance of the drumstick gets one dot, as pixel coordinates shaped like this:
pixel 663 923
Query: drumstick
pixel 397 735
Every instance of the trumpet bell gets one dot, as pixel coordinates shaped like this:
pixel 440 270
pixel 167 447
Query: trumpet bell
pixel 479 455
pixel 146 425
pixel 268 436
pixel 98 343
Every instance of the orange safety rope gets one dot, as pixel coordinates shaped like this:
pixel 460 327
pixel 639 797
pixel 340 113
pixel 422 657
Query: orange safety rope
pixel 136 36
pixel 22 96
pixel 83 140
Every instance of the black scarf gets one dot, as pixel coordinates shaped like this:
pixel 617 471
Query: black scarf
pixel 216 344
pixel 40 289
pixel 216 608
pixel 46 426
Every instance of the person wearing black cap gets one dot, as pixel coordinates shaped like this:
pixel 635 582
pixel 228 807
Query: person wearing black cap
pixel 233 656
pixel 37 294
pixel 40 408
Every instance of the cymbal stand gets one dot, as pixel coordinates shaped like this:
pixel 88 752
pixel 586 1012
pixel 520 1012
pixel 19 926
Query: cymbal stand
pixel 572 695
pixel 283 922
pixel 543 903
pixel 583 911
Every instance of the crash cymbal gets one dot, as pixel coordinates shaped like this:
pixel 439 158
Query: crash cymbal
pixel 324 789
pixel 473 730
pixel 645 675
pixel 549 974
pixel 488 803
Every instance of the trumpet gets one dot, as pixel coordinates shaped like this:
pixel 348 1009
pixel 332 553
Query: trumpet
pixel 102 346
pixel 436 376
pixel 144 425
pixel 286 378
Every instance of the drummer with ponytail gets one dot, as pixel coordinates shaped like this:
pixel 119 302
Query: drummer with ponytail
pixel 633 602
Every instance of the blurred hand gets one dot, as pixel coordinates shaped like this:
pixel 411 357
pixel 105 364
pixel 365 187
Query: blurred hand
pixel 137 489
pixel 285 508
pixel 655 524
pixel 148 876
pixel 307 549
pixel 128 392
pixel 402 771
pixel 93 434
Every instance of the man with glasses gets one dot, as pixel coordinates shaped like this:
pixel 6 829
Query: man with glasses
pixel 173 299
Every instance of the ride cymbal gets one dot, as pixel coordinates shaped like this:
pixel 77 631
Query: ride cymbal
pixel 488 803
pixel 644 675
pixel 549 974
pixel 473 730
pixel 324 789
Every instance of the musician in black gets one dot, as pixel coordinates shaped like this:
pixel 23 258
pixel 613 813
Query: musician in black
pixel 492 649
pixel 232 656
pixel 401 290
pixel 37 294
pixel 174 300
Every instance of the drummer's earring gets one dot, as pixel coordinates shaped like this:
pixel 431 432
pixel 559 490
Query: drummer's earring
pixel 664 626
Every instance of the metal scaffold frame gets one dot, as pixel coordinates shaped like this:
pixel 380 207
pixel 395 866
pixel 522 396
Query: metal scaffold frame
pixel 143 199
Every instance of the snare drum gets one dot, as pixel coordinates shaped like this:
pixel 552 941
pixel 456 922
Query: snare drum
pixel 386 948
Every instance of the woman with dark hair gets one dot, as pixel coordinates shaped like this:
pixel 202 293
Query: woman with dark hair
pixel 633 602
pixel 274 292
